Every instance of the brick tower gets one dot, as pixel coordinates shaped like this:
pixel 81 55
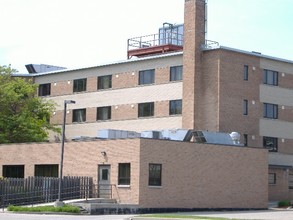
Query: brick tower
pixel 194 38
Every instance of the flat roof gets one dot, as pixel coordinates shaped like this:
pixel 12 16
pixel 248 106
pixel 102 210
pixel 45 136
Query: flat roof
pixel 101 65
pixel 251 53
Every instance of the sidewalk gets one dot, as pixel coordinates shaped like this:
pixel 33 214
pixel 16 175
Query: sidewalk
pixel 272 214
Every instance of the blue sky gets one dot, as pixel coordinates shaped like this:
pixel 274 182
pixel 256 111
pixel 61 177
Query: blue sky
pixel 81 33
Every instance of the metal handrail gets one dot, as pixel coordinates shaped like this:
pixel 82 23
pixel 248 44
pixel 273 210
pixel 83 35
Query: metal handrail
pixel 154 40
pixel 209 44
pixel 105 191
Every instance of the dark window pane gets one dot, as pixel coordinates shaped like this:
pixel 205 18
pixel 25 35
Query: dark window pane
pixel 175 107
pixel 104 113
pixel 13 171
pixel 124 174
pixel 155 174
pixel 146 109
pixel 245 139
pixel 104 174
pixel 245 73
pixel 176 73
pixel 270 111
pixel 79 115
pixel 290 181
pixel 272 178
pixel 105 82
pixel 245 107
pixel 45 89
pixel 271 143
pixel 146 77
pixel 79 85
pixel 48 170
pixel 270 77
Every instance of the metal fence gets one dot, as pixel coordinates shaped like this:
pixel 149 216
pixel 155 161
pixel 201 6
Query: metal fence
pixel 155 40
pixel 33 190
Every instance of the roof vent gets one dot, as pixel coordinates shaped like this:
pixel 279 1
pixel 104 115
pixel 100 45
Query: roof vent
pixel 235 137
pixel 117 134
pixel 256 52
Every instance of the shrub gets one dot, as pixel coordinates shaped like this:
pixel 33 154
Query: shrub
pixel 284 203
pixel 65 208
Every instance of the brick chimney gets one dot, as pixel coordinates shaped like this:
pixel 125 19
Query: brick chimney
pixel 194 37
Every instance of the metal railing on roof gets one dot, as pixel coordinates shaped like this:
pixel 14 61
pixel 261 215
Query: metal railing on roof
pixel 209 44
pixel 154 40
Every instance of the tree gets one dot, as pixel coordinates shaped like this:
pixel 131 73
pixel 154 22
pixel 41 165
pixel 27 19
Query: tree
pixel 24 117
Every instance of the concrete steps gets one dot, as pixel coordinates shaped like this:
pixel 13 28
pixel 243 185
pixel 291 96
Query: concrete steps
pixel 104 207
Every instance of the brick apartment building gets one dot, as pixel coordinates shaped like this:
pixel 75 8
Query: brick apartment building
pixel 184 82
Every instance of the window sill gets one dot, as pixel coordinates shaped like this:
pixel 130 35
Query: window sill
pixel 147 84
pixel 174 81
pixel 104 89
pixel 123 186
pixel 143 117
pixel 174 115
pixel 155 187
pixel 103 120
pixel 80 91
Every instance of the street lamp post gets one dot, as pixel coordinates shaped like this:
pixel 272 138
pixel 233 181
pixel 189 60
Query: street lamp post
pixel 59 202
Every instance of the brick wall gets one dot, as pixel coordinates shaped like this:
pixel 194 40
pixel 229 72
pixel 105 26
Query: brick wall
pixel 162 75
pixel 280 190
pixel 91 114
pixel 80 159
pixel 162 109
pixel 285 146
pixel 118 112
pixel 119 81
pixel 193 175
pixel 234 89
pixel 286 80
pixel 123 112
pixel 204 176
pixel 62 88
pixel 209 107
pixel 194 37
pixel 92 84
pixel 125 80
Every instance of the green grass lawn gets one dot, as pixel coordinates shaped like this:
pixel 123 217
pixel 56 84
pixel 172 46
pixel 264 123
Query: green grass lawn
pixel 65 208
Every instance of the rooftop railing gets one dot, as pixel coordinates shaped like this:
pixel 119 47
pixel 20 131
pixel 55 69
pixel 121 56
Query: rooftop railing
pixel 154 44
pixel 155 40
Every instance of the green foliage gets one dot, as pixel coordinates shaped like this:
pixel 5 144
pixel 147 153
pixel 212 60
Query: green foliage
pixel 7 70
pixel 65 208
pixel 24 117
pixel 284 203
